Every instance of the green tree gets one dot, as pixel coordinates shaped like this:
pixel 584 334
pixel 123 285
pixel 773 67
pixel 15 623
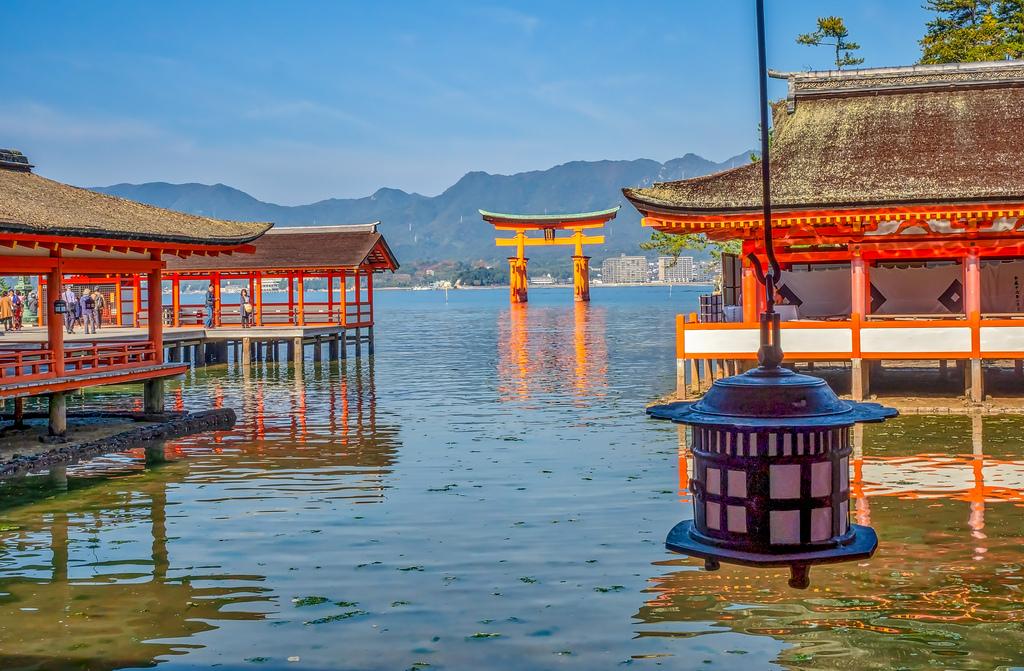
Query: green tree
pixel 832 32
pixel 673 244
pixel 973 30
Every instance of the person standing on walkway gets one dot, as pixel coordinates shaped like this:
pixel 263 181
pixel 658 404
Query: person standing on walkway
pixel 246 308
pixel 7 310
pixel 71 307
pixel 101 304
pixel 88 307
pixel 19 308
pixel 211 307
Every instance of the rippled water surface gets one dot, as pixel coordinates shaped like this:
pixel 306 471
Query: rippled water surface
pixel 487 493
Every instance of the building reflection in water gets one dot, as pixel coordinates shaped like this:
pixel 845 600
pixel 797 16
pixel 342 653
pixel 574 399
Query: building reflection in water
pixel 552 351
pixel 121 601
pixel 947 516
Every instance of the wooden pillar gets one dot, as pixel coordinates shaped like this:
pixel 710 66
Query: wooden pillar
pixel 176 300
pixel 369 340
pixel 860 384
pixel 681 379
pixel 344 344
pixel 291 298
pixel 298 352
pixel 369 301
pixel 136 300
pixel 317 348
pixel 54 321
pixel 218 308
pixel 19 413
pixel 257 299
pixel 359 342
pixel 154 298
pixel 246 348
pixel 332 348
pixel 581 278
pixel 58 427
pixel 343 299
pixel 153 397
pixel 750 288
pixel 300 316
pixel 972 309
pixel 330 296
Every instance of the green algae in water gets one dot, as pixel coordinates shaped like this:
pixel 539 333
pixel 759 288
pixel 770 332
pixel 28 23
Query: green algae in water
pixel 309 601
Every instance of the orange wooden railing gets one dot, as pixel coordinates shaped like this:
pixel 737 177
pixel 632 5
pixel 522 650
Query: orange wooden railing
pixel 108 356
pixel 25 365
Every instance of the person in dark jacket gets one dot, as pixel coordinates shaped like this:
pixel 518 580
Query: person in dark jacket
pixel 211 307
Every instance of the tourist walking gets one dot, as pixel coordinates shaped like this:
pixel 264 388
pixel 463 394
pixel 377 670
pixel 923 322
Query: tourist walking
pixel 71 305
pixel 7 310
pixel 101 304
pixel 211 307
pixel 87 306
pixel 246 308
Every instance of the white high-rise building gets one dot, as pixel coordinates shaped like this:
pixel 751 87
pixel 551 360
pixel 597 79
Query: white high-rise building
pixel 624 270
pixel 675 270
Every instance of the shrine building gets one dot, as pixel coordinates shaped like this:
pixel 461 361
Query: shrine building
pixel 898 215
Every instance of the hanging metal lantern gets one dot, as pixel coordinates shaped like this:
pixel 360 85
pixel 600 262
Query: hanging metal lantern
pixel 60 306
pixel 771 477
pixel 771 473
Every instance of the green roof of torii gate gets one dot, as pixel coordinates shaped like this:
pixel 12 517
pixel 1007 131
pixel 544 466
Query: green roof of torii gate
pixel 551 218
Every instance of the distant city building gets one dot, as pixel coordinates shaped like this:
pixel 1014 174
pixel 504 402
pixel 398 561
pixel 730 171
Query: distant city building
pixel 542 279
pixel 624 270
pixel 675 270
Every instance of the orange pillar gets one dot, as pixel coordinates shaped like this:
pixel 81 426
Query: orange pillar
pixel 369 292
pixel 581 278
pixel 750 289
pixel 175 300
pixel 291 297
pixel 136 300
pixel 517 271
pixel 972 309
pixel 330 296
pixel 154 297
pixel 116 305
pixel 343 283
pixel 40 311
pixel 217 307
pixel 257 299
pixel 300 317
pixel 54 321
pixel 859 291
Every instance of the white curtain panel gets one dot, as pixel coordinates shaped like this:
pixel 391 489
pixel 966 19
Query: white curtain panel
pixel 1002 286
pixel 915 290
pixel 821 292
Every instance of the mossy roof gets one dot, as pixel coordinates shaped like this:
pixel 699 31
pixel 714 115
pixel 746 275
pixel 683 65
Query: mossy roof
pixel 872 138
pixel 33 204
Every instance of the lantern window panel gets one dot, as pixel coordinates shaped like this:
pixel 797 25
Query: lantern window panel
pixel 784 481
pixel 736 519
pixel 736 483
pixel 713 481
pixel 821 524
pixel 844 517
pixel 713 515
pixel 821 478
pixel 844 474
pixel 785 526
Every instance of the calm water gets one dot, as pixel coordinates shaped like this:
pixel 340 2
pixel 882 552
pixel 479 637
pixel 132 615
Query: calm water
pixel 487 493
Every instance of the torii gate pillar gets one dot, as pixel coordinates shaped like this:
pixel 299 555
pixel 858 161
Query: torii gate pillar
pixel 517 279
pixel 581 278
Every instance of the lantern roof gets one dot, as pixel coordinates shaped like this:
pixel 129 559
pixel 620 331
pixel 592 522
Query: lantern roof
pixel 774 399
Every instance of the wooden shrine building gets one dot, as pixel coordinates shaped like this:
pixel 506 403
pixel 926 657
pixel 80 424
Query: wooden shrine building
pixel 899 221
pixel 53 230
pixel 575 224
pixel 297 276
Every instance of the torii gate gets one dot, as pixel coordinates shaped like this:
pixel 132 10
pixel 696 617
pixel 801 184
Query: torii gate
pixel 549 223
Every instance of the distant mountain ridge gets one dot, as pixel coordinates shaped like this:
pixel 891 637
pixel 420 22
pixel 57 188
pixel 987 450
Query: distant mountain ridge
pixel 447 226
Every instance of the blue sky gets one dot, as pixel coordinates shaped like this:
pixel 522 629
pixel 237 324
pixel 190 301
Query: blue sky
pixel 300 101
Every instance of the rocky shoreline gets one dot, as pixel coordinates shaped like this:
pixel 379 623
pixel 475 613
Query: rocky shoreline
pixel 166 427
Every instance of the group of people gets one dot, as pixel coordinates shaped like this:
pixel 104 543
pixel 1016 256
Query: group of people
pixel 245 307
pixel 85 310
pixel 12 308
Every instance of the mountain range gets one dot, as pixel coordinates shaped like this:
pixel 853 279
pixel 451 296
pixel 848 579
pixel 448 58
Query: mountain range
pixel 424 229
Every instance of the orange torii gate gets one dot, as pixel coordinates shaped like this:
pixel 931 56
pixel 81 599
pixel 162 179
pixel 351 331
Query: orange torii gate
pixel 549 223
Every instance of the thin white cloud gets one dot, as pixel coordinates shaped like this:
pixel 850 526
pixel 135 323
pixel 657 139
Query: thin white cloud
pixel 527 23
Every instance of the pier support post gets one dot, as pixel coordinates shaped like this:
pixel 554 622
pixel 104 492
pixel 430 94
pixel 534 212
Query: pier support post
pixel 297 351
pixel 246 348
pixel 155 454
pixel 343 341
pixel 174 355
pixel 681 378
pixel 860 383
pixel 317 349
pixel 59 477
pixel 332 348
pixel 58 415
pixel 369 336
pixel 975 382
pixel 359 342
pixel 153 397
pixel 19 413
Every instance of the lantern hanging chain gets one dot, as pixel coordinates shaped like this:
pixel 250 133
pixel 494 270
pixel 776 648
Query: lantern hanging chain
pixel 770 353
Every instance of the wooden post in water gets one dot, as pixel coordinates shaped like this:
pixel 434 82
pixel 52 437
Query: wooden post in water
pixel 298 351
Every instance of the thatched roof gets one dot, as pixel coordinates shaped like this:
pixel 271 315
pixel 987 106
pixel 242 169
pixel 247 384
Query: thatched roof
pixel 302 248
pixel 871 138
pixel 33 204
